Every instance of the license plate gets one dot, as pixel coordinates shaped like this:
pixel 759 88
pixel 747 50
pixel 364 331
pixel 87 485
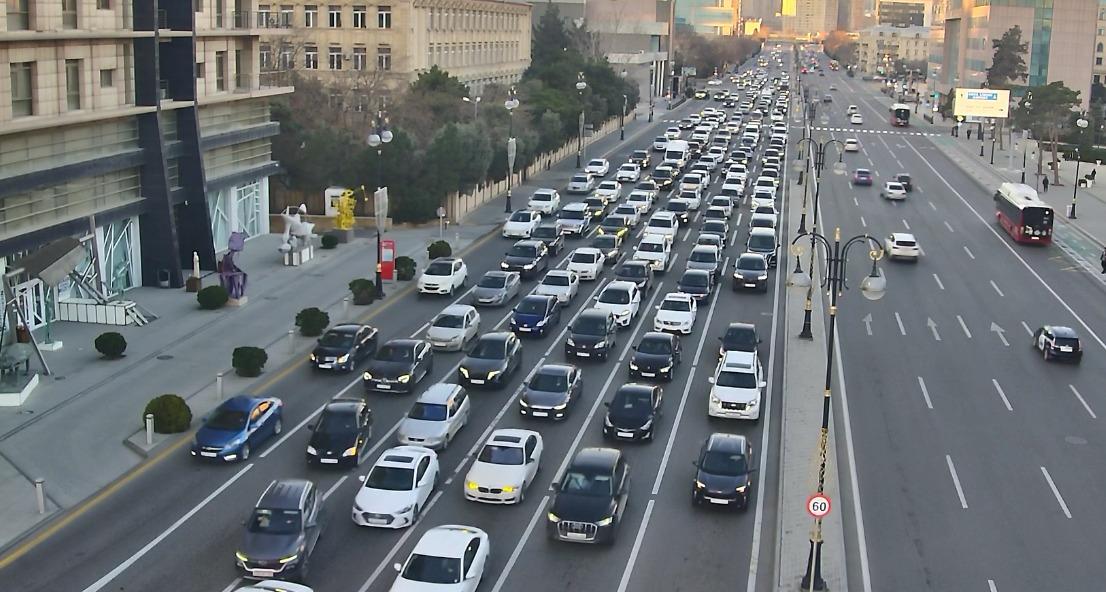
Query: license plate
pixel 583 354
pixel 326 365
pixel 577 536
pixel 477 381
pixel 527 329
pixel 208 454
pixel 622 434
pixel 750 285
pixel 262 573
pixel 384 386
pixel 649 374
pixel 377 521
pixel 540 413
pixel 1065 348
pixel 328 461
pixel 718 501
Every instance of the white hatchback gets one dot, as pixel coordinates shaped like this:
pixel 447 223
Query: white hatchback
pixel 448 558
pixel 505 467
pixel 560 283
pixel 396 488
pixel 852 145
pixel 521 224
pixel 622 300
pixel 902 245
pixel 676 313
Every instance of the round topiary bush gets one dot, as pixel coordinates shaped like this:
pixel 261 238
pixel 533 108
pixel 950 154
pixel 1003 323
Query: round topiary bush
pixel 111 345
pixel 171 414
pixel 363 290
pixel 439 248
pixel 329 241
pixel 312 321
pixel 212 297
pixel 405 269
pixel 248 360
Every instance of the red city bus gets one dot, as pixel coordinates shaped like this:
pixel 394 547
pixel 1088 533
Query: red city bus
pixel 1023 215
pixel 900 115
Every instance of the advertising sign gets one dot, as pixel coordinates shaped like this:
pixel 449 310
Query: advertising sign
pixel 388 259
pixel 982 102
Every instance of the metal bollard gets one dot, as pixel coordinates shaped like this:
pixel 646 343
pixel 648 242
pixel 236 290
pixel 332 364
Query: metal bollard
pixel 40 495
pixel 291 342
pixel 149 429
pixel 345 308
pixel 219 384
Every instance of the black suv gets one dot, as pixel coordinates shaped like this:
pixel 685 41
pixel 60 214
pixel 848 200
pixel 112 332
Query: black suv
pixel 656 356
pixel 339 438
pixel 590 497
pixel 592 335
pixel 640 158
pixel 723 472
pixel 1058 343
pixel 551 235
pixel 281 532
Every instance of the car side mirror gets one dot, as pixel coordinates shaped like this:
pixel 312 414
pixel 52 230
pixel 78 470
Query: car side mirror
pixel 555 485
pixel 311 427
pixel 762 384
pixel 710 379
pixel 362 478
pixel 607 404
pixel 531 460
pixel 695 463
pixel 752 470
pixel 397 566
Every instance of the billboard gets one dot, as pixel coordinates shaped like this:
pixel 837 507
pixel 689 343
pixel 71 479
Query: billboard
pixel 982 102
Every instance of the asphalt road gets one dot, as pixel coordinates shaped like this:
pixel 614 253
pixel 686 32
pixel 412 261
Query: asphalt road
pixel 978 462
pixel 180 521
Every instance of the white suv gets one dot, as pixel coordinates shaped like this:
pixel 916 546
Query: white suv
pixel 737 386
pixel 443 275
pixel 656 250
pixel 663 223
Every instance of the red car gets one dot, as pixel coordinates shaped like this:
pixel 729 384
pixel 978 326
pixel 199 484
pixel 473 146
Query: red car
pixel 862 177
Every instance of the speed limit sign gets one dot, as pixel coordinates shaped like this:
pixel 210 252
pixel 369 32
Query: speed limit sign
pixel 818 505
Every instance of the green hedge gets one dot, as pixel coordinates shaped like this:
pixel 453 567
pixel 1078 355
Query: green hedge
pixel 212 297
pixel 111 345
pixel 248 360
pixel 312 321
pixel 171 414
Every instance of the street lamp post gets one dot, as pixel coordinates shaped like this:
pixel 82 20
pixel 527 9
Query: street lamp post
pixel 652 82
pixel 379 135
pixel 580 86
pixel 816 155
pixel 475 105
pixel 622 120
pixel 836 281
pixel 1082 123
pixel 510 104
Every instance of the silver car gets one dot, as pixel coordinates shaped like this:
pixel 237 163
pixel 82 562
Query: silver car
pixel 581 183
pixel 706 258
pixel 437 416
pixel 454 328
pixel 496 288
pixel 559 283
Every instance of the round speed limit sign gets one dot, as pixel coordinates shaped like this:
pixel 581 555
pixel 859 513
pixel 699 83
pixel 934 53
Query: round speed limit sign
pixel 818 505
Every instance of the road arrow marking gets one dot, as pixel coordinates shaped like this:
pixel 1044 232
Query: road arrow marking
pixel 1001 333
pixel 868 324
pixel 933 327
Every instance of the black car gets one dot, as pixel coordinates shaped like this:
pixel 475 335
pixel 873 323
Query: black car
pixel 640 158
pixel 739 337
pixel 719 228
pixel 614 224
pixel 281 532
pixel 590 498
pixel 527 257
pixel 597 206
pixel 399 365
pixel 343 347
pixel 648 185
pixel 551 391
pixel 592 335
pixel 680 208
pixel 536 314
pixel 723 471
pixel 750 272
pixel 657 355
pixel 638 272
pixel 907 182
pixel 340 435
pixel 633 412
pixel 1058 343
pixel 697 282
pixel 551 235
pixel 664 178
pixel 492 361
pixel 610 245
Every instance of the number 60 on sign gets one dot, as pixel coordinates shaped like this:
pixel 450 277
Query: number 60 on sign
pixel 818 505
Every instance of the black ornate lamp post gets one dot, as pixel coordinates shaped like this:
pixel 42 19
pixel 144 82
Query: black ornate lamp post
pixel 622 117
pixel 580 86
pixel 872 287
pixel 510 104
pixel 816 156
pixel 379 135
pixel 1082 124
pixel 652 83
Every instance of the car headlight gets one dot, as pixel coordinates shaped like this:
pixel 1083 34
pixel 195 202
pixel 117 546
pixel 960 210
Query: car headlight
pixel 715 400
pixel 561 407
pixel 351 451
pixel 406 509
pixel 762 276
pixel 311 450
pixel 752 403
pixel 289 558
pixel 667 368
pixel 509 488
pixel 569 342
pixel 367 376
pixel 403 379
pixel 648 423
pixel 742 488
pixel 601 344
pixel 471 485
pixel 541 323
pixel 607 422
pixel 464 371
pixel 241 557
pixel 312 356
pixel 494 373
pixel 503 265
pixel 343 359
pixel 528 266
pixel 633 365
pixel 553 517
pixel 700 485
pixel 522 402
pixel 606 521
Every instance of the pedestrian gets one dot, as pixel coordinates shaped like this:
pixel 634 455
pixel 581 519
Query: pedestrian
pixel 1102 260
pixel 1044 183
pixel 1091 176
pixel 969 133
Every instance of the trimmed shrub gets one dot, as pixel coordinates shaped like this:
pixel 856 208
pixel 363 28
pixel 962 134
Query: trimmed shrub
pixel 312 321
pixel 111 345
pixel 171 414
pixel 248 360
pixel 363 290
pixel 439 248
pixel 329 241
pixel 405 269
pixel 212 297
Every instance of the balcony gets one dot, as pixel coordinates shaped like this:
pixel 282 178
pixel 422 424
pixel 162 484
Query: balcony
pixel 274 20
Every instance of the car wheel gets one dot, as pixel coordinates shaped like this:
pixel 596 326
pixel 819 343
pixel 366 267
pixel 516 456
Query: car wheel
pixel 416 514
pixel 1047 354
pixel 301 577
pixel 522 494
pixel 245 451
pixel 278 427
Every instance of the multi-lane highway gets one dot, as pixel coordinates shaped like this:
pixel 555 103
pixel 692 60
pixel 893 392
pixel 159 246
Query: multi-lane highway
pixel 178 522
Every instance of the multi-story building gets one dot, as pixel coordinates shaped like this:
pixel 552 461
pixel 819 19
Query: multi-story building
pixel 144 128
pixel 1098 69
pixel 904 13
pixel 710 17
pixel 391 41
pixel 880 47
pixel 810 18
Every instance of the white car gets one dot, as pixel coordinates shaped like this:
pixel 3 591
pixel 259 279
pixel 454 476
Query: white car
pixel 660 143
pixel 853 109
pixel 545 201
pixel 274 586
pixel 609 191
pixel 575 218
pixel 505 467
pixel 852 145
pixel 724 202
pixel 763 220
pixel 454 327
pixel 586 262
pixel 630 212
pixel 444 275
pixel 737 386
pixel 581 183
pixel 560 283
pixel 628 173
pixel 436 417
pixel 621 299
pixel 676 313
pixel 642 200
pixel 672 133
pixel 663 223
pixel 598 167
pixel 856 119
pixel 396 488
pixel 761 199
pixel 691 182
pixel 714 82
pixel 765 183
pixel 448 558
pixel 521 224
pixel 902 245
pixel 893 190
pixel 655 249
pixel 732 192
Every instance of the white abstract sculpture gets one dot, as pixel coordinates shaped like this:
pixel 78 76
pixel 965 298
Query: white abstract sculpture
pixel 297 233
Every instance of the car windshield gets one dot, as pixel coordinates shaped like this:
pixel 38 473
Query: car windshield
pixel 531 306
pixel 662 173
pixel 613 222
pixel 264 521
pixel 572 214
pixel 528 251
pixel 625 210
pixel 449 321
pixel 501 455
pixel 493 281
pixel 633 401
pixel 227 419
pixel 660 223
pixel 678 304
pixel 615 297
pixel 715 226
pixel 609 185
pixel 488 349
pixel 751 263
pixel 336 339
pixel 762 222
pixel 584 257
pixel 629 168
pixel 696 280
pixel 590 325
pixel 544 232
pixel 439 268
pixel 549 383
pixel 520 217
pixel 678 206
pixel 428 411
pixel 390 479
pixel 730 464
pixel 393 353
pixel 658 347
pixel 650 247
pixel 337 422
pixel 596 163
pixel 605 241
pixel 639 154
pixel 762 242
pixel 555 279
pixel 433 570
pixel 1067 342
pixel 632 271
pixel 736 379
pixel 586 483
pixel 542 197
pixel 579 178
pixel 703 256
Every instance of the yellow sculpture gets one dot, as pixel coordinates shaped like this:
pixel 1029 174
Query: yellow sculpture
pixel 344 219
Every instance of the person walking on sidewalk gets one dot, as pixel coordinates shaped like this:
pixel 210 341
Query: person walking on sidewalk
pixel 969 133
pixel 1044 183
pixel 1102 260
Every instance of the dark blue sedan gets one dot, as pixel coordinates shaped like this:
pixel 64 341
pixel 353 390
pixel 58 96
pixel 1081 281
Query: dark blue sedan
pixel 535 314
pixel 237 426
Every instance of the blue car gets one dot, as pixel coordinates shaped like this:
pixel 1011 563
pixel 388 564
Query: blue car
pixel 535 314
pixel 237 426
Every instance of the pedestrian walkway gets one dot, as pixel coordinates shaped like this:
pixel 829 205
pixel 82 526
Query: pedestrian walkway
pixel 860 130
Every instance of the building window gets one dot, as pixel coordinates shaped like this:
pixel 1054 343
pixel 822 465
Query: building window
pixel 287 60
pixel 173 169
pixel 334 58
pixel 311 57
pixel 73 84
pixel 1098 48
pixel 106 5
pixel 311 15
pixel 107 78
pixel 265 52
pixel 200 71
pixel 69 14
pixel 286 11
pixel 360 58
pixel 22 89
pixel 335 16
pixel 1098 61
pixel 19 15
pixel 384 58
pixel 384 17
pixel 220 70
pixel 360 17
pixel 264 16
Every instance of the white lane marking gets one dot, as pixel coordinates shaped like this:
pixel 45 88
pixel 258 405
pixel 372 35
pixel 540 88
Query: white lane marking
pixel 995 286
pixel 858 516
pixel 1083 401
pixel 949 226
pixel 521 543
pixel 925 392
pixel 114 573
pixel 939 284
pixel 1027 329
pixel 855 202
pixel 1056 492
pixel 1002 394
pixel 898 319
pixel 421 329
pixel 624 583
pixel 495 421
pixel 969 252
pixel 395 548
pixel 934 208
pixel 568 325
pixel 906 224
pixel 863 222
pixel 991 586
pixel 956 482
pixel 334 487
pixel 964 326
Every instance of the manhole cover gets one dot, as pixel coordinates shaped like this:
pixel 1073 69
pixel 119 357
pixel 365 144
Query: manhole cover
pixel 165 357
pixel 1075 440
pixel 59 378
